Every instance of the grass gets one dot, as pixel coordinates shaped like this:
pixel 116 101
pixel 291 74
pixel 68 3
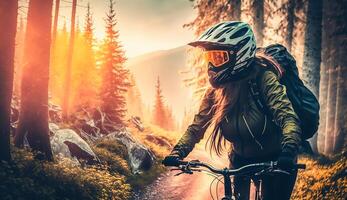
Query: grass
pixel 27 178
pixel 323 178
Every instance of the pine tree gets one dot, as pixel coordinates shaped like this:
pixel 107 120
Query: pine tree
pixel 115 77
pixel 8 20
pixel 159 113
pixel 33 119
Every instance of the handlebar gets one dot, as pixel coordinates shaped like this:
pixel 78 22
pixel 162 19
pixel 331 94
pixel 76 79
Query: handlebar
pixel 189 166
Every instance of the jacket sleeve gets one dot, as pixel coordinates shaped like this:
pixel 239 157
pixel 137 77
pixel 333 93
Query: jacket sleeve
pixel 281 108
pixel 195 131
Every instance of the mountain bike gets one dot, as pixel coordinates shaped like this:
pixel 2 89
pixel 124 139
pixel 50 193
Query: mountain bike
pixel 252 170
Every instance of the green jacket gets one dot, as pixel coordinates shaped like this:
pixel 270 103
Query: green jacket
pixel 252 133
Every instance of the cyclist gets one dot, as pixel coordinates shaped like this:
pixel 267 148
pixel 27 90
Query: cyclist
pixel 237 124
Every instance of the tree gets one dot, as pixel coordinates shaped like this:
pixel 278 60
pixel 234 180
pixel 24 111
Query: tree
pixel 55 21
pixel 312 52
pixel 134 100
pixel 58 65
pixel 85 78
pixel 67 87
pixel 340 33
pixel 290 24
pixel 33 120
pixel 257 13
pixel 332 133
pixel 19 50
pixel 159 112
pixel 8 20
pixel 115 77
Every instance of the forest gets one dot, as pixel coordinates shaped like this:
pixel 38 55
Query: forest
pixel 73 122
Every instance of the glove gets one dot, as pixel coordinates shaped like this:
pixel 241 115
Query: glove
pixel 286 161
pixel 172 159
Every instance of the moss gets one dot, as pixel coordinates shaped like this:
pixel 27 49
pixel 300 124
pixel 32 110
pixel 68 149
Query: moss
pixel 26 178
pixel 138 181
pixel 113 146
pixel 114 162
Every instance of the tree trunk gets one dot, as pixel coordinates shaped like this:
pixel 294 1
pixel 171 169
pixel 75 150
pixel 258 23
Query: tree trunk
pixel 66 98
pixel 236 9
pixel 8 21
pixel 257 8
pixel 324 80
pixel 340 33
pixel 33 120
pixel 312 52
pixel 290 26
pixel 55 22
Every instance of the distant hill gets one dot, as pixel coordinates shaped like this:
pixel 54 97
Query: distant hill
pixel 166 64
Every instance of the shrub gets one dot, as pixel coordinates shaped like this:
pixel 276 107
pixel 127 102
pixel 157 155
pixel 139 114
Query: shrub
pixel 26 178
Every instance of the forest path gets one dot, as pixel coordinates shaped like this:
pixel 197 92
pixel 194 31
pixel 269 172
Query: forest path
pixel 185 186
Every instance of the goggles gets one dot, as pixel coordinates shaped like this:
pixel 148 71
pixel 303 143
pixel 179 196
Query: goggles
pixel 217 57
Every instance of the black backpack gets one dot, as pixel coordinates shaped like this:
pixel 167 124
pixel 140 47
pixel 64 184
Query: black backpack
pixel 303 100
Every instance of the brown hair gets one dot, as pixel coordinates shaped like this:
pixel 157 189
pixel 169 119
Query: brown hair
pixel 228 97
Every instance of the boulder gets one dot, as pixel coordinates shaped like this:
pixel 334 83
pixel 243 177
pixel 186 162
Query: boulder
pixel 67 143
pixel 140 157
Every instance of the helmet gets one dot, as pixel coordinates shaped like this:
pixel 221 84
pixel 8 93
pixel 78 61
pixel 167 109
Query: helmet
pixel 230 48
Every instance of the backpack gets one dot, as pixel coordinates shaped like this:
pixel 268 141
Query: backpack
pixel 304 102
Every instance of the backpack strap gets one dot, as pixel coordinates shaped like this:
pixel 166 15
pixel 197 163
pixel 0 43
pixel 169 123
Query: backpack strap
pixel 254 88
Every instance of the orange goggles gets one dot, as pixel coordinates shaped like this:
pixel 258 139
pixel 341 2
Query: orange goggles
pixel 216 57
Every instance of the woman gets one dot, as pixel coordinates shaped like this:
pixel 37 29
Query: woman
pixel 230 50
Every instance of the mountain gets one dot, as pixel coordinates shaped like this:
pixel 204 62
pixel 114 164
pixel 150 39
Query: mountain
pixel 166 64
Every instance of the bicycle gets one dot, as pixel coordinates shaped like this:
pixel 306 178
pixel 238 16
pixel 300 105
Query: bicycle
pixel 252 170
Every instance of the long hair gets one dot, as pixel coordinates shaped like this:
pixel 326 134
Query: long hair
pixel 228 97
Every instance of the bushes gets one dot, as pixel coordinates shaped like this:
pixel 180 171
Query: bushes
pixel 324 178
pixel 26 178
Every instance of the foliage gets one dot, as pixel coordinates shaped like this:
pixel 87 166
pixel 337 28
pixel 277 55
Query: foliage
pixel 26 177
pixel 162 115
pixel 114 155
pixel 324 178
pixel 115 77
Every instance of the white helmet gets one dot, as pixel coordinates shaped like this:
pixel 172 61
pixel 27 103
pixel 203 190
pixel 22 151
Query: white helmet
pixel 232 35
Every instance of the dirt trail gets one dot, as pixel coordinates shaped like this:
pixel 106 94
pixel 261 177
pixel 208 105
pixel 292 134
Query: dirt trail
pixel 184 187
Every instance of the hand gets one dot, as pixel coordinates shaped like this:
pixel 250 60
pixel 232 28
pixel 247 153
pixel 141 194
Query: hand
pixel 171 160
pixel 286 161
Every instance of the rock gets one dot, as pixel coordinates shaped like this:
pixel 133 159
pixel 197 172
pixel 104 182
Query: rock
pixel 53 128
pixel 67 143
pixel 54 113
pixel 140 157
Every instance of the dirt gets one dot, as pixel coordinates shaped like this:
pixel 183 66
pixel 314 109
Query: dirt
pixel 185 186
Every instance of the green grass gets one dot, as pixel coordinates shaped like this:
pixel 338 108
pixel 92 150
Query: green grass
pixel 26 178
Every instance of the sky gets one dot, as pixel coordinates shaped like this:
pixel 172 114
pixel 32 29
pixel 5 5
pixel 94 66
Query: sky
pixel 144 25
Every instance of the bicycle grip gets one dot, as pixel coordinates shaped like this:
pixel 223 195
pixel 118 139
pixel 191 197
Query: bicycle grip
pixel 300 166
